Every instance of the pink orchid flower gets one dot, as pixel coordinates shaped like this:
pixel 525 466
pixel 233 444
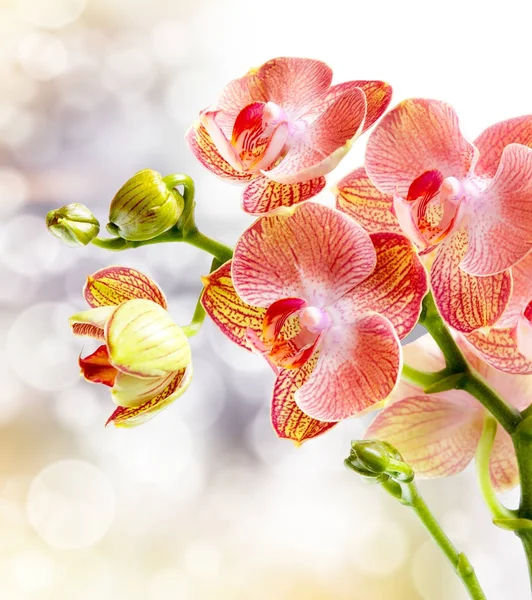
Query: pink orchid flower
pixel 282 127
pixel 469 203
pixel 438 434
pixel 326 304
pixel 507 345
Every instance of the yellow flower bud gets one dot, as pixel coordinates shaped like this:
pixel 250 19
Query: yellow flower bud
pixel 73 224
pixel 144 207
pixel 142 340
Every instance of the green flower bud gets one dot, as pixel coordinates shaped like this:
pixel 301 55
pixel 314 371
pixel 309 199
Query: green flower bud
pixel 73 224
pixel 144 207
pixel 379 460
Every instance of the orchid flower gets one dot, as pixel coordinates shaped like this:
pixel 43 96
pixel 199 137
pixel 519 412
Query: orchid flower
pixel 145 358
pixel 282 127
pixel 325 303
pixel 437 434
pixel 469 203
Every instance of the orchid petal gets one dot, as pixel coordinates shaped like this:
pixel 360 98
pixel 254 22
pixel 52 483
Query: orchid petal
pixel 500 219
pixel 96 367
pixel 396 287
pixel 204 149
pixel 143 340
pixel 131 391
pixel 416 136
pixel 221 143
pixel 225 307
pixel 318 148
pixel 114 285
pixel 237 94
pixel 504 472
pixel 465 301
pixel 492 142
pixel 91 322
pixel 523 337
pixel 521 292
pixel 263 195
pixel 289 422
pixel 293 83
pixel 310 252
pixel 499 349
pixel 133 416
pixel 358 366
pixel 360 199
pixel 436 435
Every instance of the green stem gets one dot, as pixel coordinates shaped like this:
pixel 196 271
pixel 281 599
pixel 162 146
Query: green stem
pixel 222 252
pixel 482 465
pixel 410 496
pixel 421 378
pixel 199 313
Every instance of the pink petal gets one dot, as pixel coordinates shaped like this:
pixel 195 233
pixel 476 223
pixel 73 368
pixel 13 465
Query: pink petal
pixel 492 141
pixel 465 301
pixel 521 292
pixel 310 252
pixel 396 287
pixel 206 152
pixel 378 95
pixel 360 199
pixel 358 366
pixel 237 94
pixel 523 337
pixel 437 435
pixel 500 227
pixel 499 349
pixel 220 141
pixel 317 149
pixel 504 471
pixel 515 389
pixel 416 136
pixel 293 83
pixel 288 420
pixel 263 195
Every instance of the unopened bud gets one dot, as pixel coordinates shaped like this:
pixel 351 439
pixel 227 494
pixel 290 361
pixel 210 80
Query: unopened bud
pixel 73 224
pixel 378 459
pixel 144 207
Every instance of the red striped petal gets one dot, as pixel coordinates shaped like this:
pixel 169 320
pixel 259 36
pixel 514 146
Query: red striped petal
pixel 360 199
pixel 499 349
pixel 114 285
pixel 466 302
pixel 416 136
pixel 288 420
pixel 263 195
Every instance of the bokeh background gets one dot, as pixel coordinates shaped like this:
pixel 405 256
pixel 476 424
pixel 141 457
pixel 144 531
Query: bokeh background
pixel 203 502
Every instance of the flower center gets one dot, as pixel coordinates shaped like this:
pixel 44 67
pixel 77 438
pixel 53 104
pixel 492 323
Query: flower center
pixel 259 135
pixel 314 319
pixel 429 213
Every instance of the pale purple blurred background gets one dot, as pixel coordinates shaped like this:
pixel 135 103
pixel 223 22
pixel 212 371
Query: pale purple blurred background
pixel 204 501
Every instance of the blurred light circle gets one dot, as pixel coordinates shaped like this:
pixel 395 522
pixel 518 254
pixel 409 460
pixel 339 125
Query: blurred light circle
pixel 381 549
pixel 79 408
pixel 71 504
pixel 13 190
pixel 13 526
pixel 233 355
pixel 41 349
pixel 202 560
pixel 11 396
pixel 42 55
pixel 171 42
pixel 169 579
pixel 50 13
pixel 26 246
pixel 205 398
pixel 33 570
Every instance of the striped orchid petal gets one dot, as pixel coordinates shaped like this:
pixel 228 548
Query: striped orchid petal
pixel 359 198
pixel 113 285
pixel 137 415
pixel 97 368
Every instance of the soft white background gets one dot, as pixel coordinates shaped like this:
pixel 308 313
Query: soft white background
pixel 203 502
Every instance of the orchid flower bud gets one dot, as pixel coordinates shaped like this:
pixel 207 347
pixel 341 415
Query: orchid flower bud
pixel 379 460
pixel 143 341
pixel 144 207
pixel 73 224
